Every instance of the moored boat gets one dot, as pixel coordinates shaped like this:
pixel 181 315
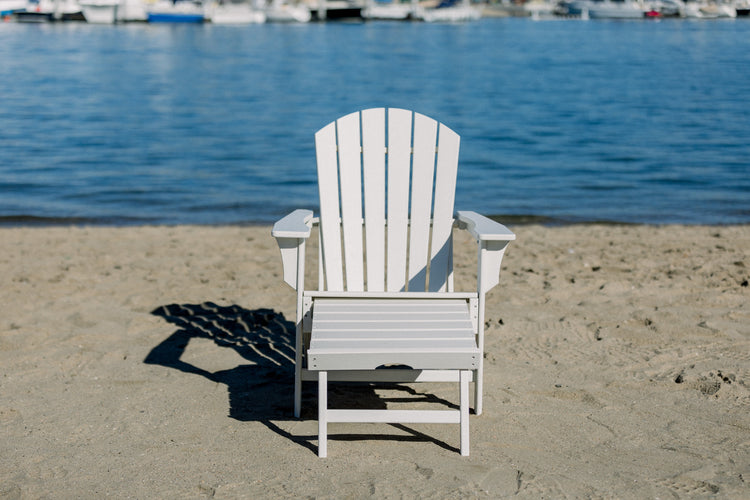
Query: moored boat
pixel 709 10
pixel 9 7
pixel 100 11
pixel 180 11
pixel 449 11
pixel 390 10
pixel 324 10
pixel 236 13
pixel 606 9
pixel 282 12
pixel 41 11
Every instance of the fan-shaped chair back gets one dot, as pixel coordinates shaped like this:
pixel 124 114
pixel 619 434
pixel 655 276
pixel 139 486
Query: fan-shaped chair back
pixel 387 181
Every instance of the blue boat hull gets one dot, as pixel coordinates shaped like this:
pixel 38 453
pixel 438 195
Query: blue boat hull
pixel 175 18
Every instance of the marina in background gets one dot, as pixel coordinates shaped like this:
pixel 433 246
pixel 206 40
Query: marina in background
pixel 302 11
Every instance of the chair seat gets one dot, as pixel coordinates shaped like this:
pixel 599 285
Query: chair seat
pixel 365 334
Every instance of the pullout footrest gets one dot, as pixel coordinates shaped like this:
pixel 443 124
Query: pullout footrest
pixel 370 333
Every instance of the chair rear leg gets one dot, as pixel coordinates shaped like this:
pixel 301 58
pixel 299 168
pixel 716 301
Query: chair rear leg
pixel 298 368
pixel 297 391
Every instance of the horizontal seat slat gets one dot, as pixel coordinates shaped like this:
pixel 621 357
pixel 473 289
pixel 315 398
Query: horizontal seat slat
pixel 393 345
pixel 351 307
pixel 416 335
pixel 366 360
pixel 388 320
pixel 404 309
pixel 396 307
pixel 373 326
pixel 375 302
pixel 389 334
pixel 390 324
pixel 392 375
pixel 410 296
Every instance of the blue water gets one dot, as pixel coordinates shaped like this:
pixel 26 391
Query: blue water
pixel 644 122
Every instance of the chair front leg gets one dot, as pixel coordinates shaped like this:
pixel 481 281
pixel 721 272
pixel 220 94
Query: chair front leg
pixel 464 376
pixel 478 389
pixel 322 414
pixel 300 286
pixel 298 371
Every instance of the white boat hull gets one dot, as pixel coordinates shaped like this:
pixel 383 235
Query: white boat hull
pixel 606 9
pixel 10 6
pixel 166 11
pixel 703 10
pixel 616 13
pixel 449 14
pixel 236 14
pixel 288 14
pixel 387 11
pixel 132 10
pixel 100 11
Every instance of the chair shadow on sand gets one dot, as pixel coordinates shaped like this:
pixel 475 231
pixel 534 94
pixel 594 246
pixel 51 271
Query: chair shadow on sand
pixel 262 390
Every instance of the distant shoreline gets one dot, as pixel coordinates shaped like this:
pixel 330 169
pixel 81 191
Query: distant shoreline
pixel 11 221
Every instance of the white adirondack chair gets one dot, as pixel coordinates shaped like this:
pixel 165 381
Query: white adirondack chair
pixel 385 295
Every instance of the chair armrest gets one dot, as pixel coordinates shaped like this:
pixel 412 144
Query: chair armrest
pixel 295 225
pixel 482 228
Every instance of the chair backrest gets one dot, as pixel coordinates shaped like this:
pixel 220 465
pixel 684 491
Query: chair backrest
pixel 387 181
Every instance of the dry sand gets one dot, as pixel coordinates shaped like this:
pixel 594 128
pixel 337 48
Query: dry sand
pixel 618 366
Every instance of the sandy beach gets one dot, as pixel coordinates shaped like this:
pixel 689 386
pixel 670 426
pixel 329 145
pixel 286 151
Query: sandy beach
pixel 154 362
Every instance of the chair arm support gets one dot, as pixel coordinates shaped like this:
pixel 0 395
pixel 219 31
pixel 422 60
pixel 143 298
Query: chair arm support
pixel 291 233
pixel 482 228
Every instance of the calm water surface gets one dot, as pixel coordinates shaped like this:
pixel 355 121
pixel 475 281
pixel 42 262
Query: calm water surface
pixel 622 121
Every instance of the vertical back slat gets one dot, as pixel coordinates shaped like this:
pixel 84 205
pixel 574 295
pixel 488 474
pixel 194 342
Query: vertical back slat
pixel 328 189
pixel 350 178
pixel 373 160
pixel 399 163
pixel 442 219
pixel 423 168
